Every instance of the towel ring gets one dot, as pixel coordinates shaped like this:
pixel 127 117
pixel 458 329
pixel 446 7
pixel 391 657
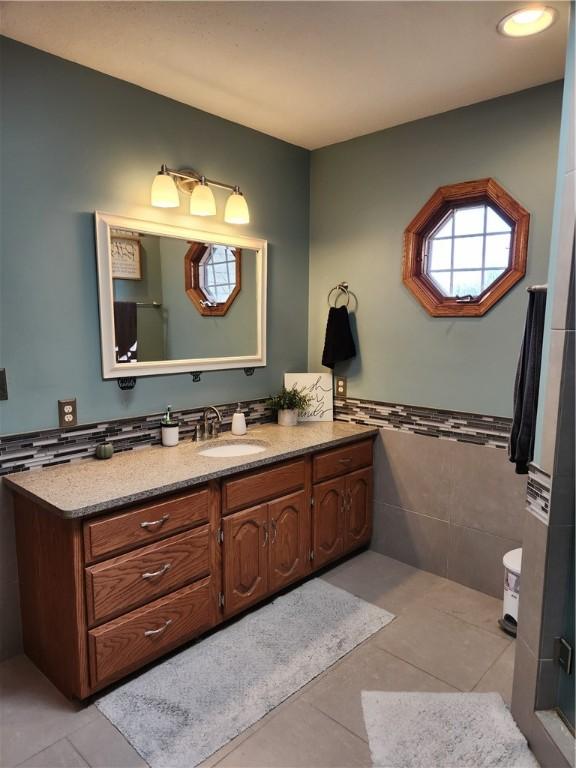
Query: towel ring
pixel 343 288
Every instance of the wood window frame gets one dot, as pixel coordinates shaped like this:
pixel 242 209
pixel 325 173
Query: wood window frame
pixel 192 282
pixel 445 199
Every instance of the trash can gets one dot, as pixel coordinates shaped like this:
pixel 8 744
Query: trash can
pixel 512 566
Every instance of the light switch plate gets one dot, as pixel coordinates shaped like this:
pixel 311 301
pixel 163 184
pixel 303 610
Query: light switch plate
pixel 67 416
pixel 3 385
pixel 340 387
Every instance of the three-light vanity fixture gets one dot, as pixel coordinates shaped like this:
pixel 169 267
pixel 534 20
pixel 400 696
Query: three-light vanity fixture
pixel 164 194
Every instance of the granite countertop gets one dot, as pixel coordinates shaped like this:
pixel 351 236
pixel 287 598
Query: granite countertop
pixel 93 486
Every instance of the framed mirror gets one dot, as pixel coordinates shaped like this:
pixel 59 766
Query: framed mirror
pixel 178 300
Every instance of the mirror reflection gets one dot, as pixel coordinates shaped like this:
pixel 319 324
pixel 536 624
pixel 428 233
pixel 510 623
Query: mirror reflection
pixel 177 299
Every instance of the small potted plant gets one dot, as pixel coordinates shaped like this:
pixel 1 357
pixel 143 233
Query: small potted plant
pixel 288 404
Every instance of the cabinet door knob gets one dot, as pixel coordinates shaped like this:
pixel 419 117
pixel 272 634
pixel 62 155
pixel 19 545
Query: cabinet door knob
pixel 265 534
pixel 159 572
pixel 152 523
pixel 152 632
pixel 274 531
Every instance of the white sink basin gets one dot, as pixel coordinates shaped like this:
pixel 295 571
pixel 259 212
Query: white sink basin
pixel 233 448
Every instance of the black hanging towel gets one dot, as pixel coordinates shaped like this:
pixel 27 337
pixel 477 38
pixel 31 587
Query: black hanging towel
pixel 526 386
pixel 339 344
pixel 125 327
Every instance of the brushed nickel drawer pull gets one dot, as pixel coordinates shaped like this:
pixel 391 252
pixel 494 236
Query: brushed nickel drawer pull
pixel 345 461
pixel 151 523
pixel 159 572
pixel 152 632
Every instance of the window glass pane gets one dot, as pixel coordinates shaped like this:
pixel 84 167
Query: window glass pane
pixel 467 283
pixel 440 254
pixel 491 275
pixel 469 221
pixel 495 223
pixel 232 272
pixel 497 250
pixel 445 229
pixel 442 280
pixel 218 253
pixel 468 252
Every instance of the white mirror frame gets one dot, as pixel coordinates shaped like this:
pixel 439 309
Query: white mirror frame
pixel 113 370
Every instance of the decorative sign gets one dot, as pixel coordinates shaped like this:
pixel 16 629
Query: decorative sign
pixel 125 254
pixel 319 387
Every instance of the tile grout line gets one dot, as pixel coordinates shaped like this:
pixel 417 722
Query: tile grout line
pixel 496 660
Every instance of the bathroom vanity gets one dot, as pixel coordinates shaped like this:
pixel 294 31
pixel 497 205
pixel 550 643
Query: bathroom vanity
pixel 122 561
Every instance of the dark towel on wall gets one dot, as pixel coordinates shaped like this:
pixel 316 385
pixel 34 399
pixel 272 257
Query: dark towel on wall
pixel 339 344
pixel 526 386
pixel 126 331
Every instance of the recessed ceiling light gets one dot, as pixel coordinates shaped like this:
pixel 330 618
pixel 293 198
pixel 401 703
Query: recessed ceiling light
pixel 527 21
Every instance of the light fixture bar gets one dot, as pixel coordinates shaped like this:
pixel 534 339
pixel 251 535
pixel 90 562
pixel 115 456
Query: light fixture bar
pixel 190 175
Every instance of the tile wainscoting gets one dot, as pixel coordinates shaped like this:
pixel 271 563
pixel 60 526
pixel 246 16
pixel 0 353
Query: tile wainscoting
pixel 538 493
pixel 451 505
pixel 462 427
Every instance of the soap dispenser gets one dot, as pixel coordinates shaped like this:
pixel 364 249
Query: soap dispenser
pixel 238 422
pixel 170 428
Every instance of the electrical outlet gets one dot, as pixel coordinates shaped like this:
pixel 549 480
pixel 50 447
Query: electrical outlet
pixel 3 385
pixel 67 416
pixel 341 387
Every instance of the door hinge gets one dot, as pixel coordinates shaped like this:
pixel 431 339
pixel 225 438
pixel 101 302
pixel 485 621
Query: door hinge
pixel 220 535
pixel 563 654
pixel 311 554
pixel 221 599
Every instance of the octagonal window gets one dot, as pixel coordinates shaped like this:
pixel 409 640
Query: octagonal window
pixel 468 251
pixel 212 277
pixel 218 273
pixel 466 248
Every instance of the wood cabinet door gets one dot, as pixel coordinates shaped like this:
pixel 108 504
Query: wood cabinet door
pixel 358 508
pixel 328 521
pixel 289 549
pixel 245 558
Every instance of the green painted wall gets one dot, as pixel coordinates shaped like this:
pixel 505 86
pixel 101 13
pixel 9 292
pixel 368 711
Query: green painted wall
pixel 74 141
pixel 363 194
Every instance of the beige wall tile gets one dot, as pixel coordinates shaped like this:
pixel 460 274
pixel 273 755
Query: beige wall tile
pixel 534 547
pixel 415 539
pixel 413 472
pixel 475 559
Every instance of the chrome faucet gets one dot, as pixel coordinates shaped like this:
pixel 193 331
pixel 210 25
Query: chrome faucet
pixel 211 427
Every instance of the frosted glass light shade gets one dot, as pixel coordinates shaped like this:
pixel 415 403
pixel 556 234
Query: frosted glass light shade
pixel 164 193
pixel 202 202
pixel 527 21
pixel 236 211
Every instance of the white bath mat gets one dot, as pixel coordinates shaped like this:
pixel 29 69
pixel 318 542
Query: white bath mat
pixel 184 709
pixel 443 730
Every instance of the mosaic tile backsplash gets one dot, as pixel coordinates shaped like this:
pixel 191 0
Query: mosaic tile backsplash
pixel 62 446
pixel 44 448
pixel 451 425
pixel 538 493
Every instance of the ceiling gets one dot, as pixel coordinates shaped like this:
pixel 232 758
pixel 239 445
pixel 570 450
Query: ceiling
pixel 312 73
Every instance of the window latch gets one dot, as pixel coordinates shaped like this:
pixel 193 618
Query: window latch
pixel 464 299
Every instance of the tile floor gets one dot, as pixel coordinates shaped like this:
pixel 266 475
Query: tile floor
pixel 445 638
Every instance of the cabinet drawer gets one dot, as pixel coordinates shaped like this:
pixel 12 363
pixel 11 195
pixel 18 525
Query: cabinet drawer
pixel 260 486
pixel 130 641
pixel 117 533
pixel 341 460
pixel 118 585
